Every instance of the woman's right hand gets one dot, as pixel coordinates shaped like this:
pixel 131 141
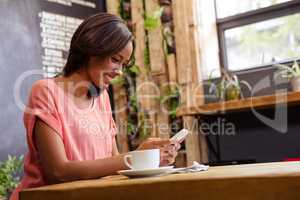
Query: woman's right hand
pixel 168 149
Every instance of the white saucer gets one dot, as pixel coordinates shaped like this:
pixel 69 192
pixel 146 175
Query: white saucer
pixel 145 172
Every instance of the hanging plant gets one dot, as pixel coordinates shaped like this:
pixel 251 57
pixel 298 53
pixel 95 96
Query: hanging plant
pixel 170 99
pixel 168 39
pixel 132 72
pixel 152 22
pixel 124 9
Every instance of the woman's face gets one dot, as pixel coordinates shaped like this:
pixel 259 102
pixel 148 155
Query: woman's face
pixel 102 71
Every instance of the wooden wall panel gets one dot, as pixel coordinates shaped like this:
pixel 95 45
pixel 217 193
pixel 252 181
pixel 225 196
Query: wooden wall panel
pixel 192 144
pixel 181 32
pixel 144 83
pixel 188 71
pixel 172 71
pixel 112 6
pixel 162 119
pixel 155 39
pixel 120 99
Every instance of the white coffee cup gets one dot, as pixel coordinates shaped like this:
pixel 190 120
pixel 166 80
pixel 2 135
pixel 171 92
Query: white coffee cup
pixel 144 159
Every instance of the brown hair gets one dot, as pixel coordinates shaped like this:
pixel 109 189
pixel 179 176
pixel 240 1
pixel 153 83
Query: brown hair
pixel 99 35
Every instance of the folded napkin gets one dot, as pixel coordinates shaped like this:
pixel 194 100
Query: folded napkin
pixel 195 167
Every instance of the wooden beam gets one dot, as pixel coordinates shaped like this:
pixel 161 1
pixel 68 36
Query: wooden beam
pixel 194 40
pixel 158 70
pixel 121 118
pixel 113 6
pixel 144 84
pixel 137 16
pixel 181 32
pixel 120 98
pixel 162 119
pixel 172 72
pixel 155 38
pixel 193 150
pixel 188 63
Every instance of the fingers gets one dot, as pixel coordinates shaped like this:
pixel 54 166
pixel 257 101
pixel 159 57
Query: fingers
pixel 159 141
pixel 167 161
pixel 178 146
pixel 174 145
pixel 168 156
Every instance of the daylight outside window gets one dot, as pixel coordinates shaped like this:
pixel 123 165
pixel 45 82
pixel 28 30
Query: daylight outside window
pixel 258 33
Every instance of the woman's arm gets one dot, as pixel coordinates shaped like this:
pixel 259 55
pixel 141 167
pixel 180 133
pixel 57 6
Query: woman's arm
pixel 115 148
pixel 57 168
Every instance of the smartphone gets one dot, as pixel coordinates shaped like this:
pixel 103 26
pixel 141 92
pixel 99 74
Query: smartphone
pixel 180 136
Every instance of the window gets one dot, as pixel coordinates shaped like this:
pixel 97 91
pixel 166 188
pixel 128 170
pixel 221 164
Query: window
pixel 256 33
pixel 208 39
pixel 232 7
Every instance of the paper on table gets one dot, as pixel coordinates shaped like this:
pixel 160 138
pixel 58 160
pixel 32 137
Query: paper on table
pixel 195 167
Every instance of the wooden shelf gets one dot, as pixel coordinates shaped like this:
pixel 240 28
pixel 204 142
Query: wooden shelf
pixel 291 98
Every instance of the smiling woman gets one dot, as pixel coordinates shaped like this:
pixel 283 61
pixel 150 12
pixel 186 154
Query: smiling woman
pixel 68 119
pixel 99 41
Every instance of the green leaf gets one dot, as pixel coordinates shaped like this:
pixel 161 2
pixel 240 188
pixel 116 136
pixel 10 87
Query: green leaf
pixel 135 69
pixel 9 171
pixel 119 80
pixel 153 21
pixel 158 12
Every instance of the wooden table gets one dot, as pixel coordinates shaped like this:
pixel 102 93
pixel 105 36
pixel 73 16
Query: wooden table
pixel 267 181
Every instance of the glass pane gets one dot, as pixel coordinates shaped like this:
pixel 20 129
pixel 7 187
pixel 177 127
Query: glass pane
pixel 227 8
pixel 263 43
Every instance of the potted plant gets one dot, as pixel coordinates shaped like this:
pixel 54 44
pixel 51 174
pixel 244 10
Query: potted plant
pixel 10 172
pixel 229 88
pixel 291 73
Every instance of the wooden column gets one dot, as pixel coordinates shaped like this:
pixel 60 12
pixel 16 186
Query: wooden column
pixel 113 6
pixel 143 81
pixel 158 67
pixel 181 32
pixel 120 99
pixel 172 71
pixel 162 115
pixel 155 39
pixel 187 58
pixel 121 117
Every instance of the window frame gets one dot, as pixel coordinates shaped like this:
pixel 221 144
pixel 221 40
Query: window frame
pixel 251 17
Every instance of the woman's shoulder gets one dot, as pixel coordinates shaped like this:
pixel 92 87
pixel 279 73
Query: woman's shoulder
pixel 43 83
pixel 43 86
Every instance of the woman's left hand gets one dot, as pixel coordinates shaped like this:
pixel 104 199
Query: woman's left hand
pixel 168 153
pixel 168 149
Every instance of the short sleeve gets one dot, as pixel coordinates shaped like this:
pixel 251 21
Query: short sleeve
pixel 42 105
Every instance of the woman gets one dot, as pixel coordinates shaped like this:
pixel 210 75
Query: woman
pixel 70 129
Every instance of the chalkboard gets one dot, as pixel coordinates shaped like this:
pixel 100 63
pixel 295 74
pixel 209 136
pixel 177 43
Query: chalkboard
pixel 23 48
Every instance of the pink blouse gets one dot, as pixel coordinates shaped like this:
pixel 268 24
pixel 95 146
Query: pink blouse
pixel 87 134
